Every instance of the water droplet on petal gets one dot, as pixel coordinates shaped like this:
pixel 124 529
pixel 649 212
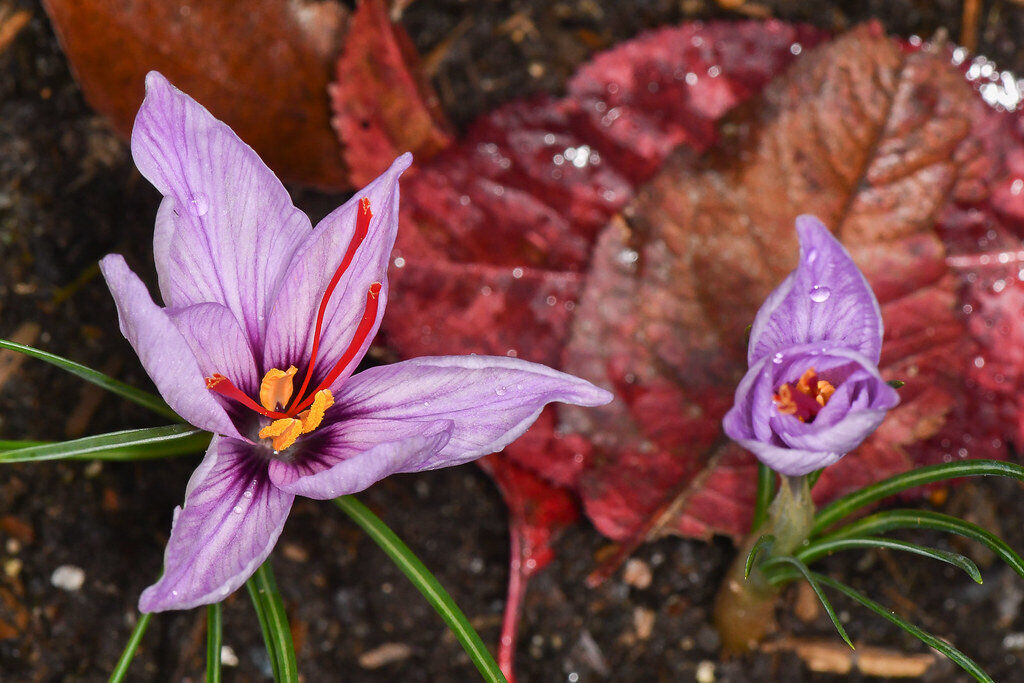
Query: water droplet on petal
pixel 199 205
pixel 238 509
pixel 777 358
pixel 812 256
pixel 820 294
pixel 500 391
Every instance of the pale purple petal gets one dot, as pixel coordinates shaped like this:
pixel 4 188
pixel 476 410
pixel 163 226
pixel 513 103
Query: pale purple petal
pixel 226 229
pixel 230 522
pixel 218 343
pixel 163 351
pixel 790 461
pixel 490 400
pixel 293 317
pixel 351 455
pixel 826 299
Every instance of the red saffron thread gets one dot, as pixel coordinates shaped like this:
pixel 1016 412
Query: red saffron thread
pixel 362 229
pixel 223 386
pixel 362 332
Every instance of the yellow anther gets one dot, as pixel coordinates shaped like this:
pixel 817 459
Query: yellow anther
pixel 276 388
pixel 282 432
pixel 312 417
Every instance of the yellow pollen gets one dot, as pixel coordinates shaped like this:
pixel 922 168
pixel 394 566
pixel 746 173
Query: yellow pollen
pixel 282 432
pixel 285 431
pixel 312 417
pixel 276 388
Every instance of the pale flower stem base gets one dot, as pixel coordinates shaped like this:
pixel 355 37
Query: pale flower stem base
pixel 744 610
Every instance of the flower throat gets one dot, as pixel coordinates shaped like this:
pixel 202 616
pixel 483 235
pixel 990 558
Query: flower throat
pixel 805 400
pixel 303 413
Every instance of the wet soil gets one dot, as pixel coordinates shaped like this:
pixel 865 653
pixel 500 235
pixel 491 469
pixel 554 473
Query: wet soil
pixel 69 194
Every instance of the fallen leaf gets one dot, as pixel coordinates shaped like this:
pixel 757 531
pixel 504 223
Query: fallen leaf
pixel 383 105
pixel 262 67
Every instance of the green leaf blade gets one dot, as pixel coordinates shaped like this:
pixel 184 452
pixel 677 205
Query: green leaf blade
pixel 143 398
pixel 129 444
pixel 818 549
pixel 850 503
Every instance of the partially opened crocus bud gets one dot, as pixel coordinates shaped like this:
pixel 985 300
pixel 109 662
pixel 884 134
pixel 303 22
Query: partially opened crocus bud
pixel 813 392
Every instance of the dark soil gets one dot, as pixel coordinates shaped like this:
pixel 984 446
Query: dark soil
pixel 69 194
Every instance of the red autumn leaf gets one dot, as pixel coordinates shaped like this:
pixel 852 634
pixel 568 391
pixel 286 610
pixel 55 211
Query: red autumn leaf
pixel 498 230
pixel 876 142
pixel 382 105
pixel 261 66
pixel 510 243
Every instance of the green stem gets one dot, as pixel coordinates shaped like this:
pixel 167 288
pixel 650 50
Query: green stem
pixel 277 635
pixel 838 509
pixel 213 642
pixel 121 670
pixel 765 491
pixel 427 584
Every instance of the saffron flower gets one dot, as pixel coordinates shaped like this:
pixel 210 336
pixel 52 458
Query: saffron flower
pixel 265 320
pixel 813 392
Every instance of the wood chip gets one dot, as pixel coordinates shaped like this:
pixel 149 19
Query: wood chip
pixel 828 656
pixel 11 24
pixel 388 653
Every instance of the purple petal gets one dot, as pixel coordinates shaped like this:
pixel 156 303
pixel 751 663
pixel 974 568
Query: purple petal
pixel 226 229
pixel 826 299
pixel 790 461
pixel 218 343
pixel 293 317
pixel 163 351
pixel 231 520
pixel 490 400
pixel 352 455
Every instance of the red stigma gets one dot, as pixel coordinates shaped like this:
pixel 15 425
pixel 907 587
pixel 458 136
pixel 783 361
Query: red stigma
pixel 223 386
pixel 362 332
pixel 362 229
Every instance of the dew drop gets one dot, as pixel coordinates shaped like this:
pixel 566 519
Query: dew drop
pixel 777 358
pixel 812 256
pixel 199 205
pixel 247 494
pixel 238 509
pixel 820 294
pixel 500 391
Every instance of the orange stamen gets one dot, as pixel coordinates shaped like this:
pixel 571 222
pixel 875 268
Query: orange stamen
pixel 276 388
pixel 362 332
pixel 312 418
pixel 282 433
pixel 362 229
pixel 810 396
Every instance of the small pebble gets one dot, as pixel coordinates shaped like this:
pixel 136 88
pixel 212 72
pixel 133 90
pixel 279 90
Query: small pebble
pixel 12 567
pixel 637 574
pixel 68 577
pixel 1013 641
pixel 643 622
pixel 705 672
pixel 13 546
pixel 228 656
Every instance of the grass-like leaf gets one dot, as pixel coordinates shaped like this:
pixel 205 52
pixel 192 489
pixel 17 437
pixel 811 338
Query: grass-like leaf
pixel 126 391
pixel 130 444
pixel 812 580
pixel 121 668
pixel 765 541
pixel 214 622
pixel 427 584
pixel 277 635
pixel 818 549
pixel 880 522
pixel 962 660
pixel 848 504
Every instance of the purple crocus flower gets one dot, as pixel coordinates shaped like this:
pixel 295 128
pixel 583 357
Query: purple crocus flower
pixel 813 392
pixel 259 302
